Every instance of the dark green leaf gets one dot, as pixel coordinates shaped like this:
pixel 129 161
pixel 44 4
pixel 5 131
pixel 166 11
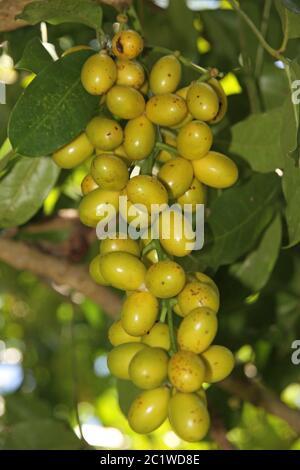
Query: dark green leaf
pixel 290 111
pixel 239 216
pixel 35 57
pixel 24 189
pixel 289 19
pixel 257 267
pixel 63 11
pixel 256 140
pixel 293 5
pixel 41 434
pixel 24 408
pixel 54 108
pixel 6 154
pixel 291 189
pixel 127 392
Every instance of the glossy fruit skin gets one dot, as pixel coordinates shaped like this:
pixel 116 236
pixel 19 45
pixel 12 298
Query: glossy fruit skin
pixel 110 172
pixel 105 134
pixel 176 234
pixel 117 335
pixel 119 358
pixel 74 153
pixel 197 330
pixel 95 271
pixel 219 363
pixel 165 279
pixel 130 73
pixel 149 368
pixel 186 371
pixel 93 207
pixel 202 101
pixel 76 49
pixel 205 279
pixel 139 139
pixel 127 44
pixel 165 75
pixel 223 101
pixel 125 102
pixel 146 190
pixel 158 337
pixel 216 170
pixel 149 410
pixel 88 184
pixel 177 175
pixel 195 194
pixel 134 214
pixel 166 110
pixel 126 245
pixel 194 140
pixel 123 270
pixel 188 416
pixel 98 74
pixel 197 294
pixel 139 313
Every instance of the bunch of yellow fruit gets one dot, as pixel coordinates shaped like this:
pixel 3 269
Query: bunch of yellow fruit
pixel 148 117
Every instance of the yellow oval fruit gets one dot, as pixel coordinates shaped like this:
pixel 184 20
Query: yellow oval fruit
pixel 177 175
pixel 205 279
pixel 98 74
pixel 183 93
pixel 188 416
pixel 125 102
pixel 202 101
pixel 195 194
pixel 165 75
pixel 127 44
pixel 119 358
pixel 95 271
pixel 197 330
pixel 219 363
pixel 110 172
pixel 197 294
pixel 158 337
pixel 88 184
pixel 134 214
pixel 149 368
pixel 126 245
pixel 223 101
pixel 139 138
pixel 194 140
pixel 105 134
pixel 216 170
pixel 130 73
pixel 149 410
pixel 123 270
pixel 139 313
pixel 117 335
pixel 146 190
pixel 176 234
pixel 97 205
pixel 74 153
pixel 186 371
pixel 76 49
pixel 166 110
pixel 165 279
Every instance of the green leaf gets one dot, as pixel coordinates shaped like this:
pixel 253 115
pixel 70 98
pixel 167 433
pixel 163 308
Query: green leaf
pixel 289 19
pixel 54 108
pixel 256 140
pixel 127 392
pixel 291 190
pixel 6 154
pixel 24 408
pixel 290 111
pixel 35 57
pixel 24 189
pixel 256 269
pixel 293 5
pixel 63 11
pixel 239 216
pixel 40 434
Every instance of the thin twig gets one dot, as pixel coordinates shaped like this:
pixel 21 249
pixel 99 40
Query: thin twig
pixel 264 30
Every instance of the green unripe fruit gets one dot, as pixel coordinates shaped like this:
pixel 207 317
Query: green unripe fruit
pixel 119 358
pixel 126 245
pixel 125 102
pixel 149 410
pixel 219 362
pixel 146 190
pixel 93 207
pixel 139 313
pixel 98 74
pixel 117 335
pixel 95 271
pixel 139 138
pixel 105 134
pixel 197 330
pixel 74 153
pixel 165 279
pixel 148 369
pixel 165 75
pixel 123 270
pixel 110 172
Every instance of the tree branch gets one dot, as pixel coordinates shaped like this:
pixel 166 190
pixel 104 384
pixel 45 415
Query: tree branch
pixel 10 8
pixel 21 256
pixel 256 393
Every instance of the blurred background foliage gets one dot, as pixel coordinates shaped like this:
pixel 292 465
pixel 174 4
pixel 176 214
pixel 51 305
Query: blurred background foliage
pixel 53 341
